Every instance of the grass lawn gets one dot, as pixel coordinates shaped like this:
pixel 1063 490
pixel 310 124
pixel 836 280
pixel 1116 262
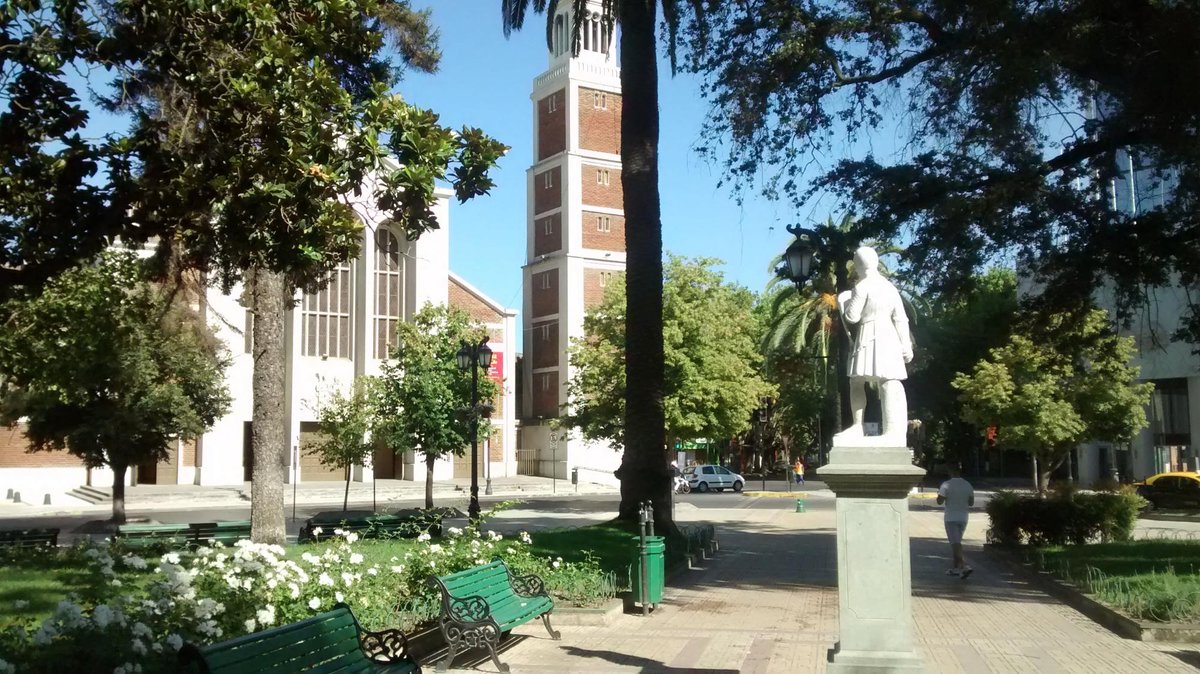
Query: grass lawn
pixel 1149 580
pixel 38 588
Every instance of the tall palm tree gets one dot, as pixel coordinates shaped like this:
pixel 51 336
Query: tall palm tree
pixel 643 472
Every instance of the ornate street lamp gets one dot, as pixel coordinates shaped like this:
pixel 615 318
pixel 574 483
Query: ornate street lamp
pixel 473 357
pixel 800 258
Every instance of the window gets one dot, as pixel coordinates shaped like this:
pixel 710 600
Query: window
pixel 545 330
pixel 389 290
pixel 602 177
pixel 552 103
pixel 722 471
pixel 545 281
pixel 560 34
pixel 603 223
pixel 327 328
pixel 708 470
pixel 548 179
pixel 545 382
pixel 606 278
pixel 548 226
pixel 599 100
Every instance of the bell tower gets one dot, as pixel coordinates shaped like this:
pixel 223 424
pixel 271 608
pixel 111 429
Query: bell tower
pixel 575 225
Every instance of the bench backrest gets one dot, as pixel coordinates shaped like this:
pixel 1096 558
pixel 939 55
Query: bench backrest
pixel 28 538
pixel 226 532
pixel 328 641
pixel 489 581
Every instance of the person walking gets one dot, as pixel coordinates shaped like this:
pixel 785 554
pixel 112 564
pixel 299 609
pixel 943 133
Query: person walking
pixel 798 469
pixel 957 495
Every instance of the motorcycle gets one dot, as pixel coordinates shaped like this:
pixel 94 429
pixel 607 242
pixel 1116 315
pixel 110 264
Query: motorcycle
pixel 681 485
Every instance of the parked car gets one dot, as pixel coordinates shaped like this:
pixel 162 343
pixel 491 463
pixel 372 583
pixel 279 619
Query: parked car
pixel 1172 491
pixel 704 477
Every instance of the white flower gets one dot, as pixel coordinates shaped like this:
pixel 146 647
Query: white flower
pixel 351 537
pixel 20 604
pixel 435 548
pixel 372 571
pixel 266 616
pixel 171 558
pixel 250 625
pixel 294 590
pixel 7 668
pixel 454 531
pixel 424 537
pixel 116 582
pixel 348 578
pixel 314 603
pixel 325 580
pixel 175 642
pixel 339 597
pixel 102 616
pixel 141 630
pixel 524 536
pixel 317 531
pixel 556 564
pixel 398 569
pixel 138 647
pixel 134 562
pixel 43 636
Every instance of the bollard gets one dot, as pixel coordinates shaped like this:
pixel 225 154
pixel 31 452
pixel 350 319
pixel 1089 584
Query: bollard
pixel 799 505
pixel 46 501
pixel 16 497
pixel 8 497
pixel 647 521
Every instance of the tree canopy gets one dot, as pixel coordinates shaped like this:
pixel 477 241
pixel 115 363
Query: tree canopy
pixel 1055 386
pixel 710 337
pixel 1017 123
pixel 424 399
pixel 110 367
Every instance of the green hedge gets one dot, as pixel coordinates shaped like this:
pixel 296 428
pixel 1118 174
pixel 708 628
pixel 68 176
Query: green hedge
pixel 1062 518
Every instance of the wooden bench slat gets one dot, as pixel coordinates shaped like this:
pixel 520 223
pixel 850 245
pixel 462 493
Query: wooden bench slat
pixel 284 641
pixel 289 657
pixel 346 666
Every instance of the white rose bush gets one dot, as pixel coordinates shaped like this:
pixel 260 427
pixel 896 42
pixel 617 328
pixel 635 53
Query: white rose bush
pixel 142 610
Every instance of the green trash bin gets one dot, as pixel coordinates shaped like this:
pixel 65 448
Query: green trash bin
pixel 656 547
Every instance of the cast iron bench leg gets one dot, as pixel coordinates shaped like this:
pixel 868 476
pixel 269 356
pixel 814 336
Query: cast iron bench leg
pixel 553 632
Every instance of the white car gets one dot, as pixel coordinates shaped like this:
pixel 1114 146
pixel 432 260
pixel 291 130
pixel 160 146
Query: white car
pixel 704 477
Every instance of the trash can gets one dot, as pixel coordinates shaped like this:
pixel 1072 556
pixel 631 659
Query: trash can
pixel 656 546
pixel 574 476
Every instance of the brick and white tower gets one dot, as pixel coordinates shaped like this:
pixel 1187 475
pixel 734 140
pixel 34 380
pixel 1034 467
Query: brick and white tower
pixel 576 230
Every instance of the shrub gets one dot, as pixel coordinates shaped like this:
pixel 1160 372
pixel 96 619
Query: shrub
pixel 1064 517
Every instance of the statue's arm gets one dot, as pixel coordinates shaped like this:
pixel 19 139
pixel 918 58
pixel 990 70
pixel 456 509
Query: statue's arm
pixel 900 320
pixel 852 302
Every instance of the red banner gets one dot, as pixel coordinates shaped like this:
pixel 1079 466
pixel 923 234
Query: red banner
pixel 496 371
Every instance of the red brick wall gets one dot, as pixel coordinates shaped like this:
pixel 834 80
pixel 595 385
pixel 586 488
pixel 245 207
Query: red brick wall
pixel 545 394
pixel 545 300
pixel 544 243
pixel 14 452
pixel 543 344
pixel 496 448
pixel 597 194
pixel 461 298
pixel 594 281
pixel 613 239
pixel 547 198
pixel 552 125
pixel 599 128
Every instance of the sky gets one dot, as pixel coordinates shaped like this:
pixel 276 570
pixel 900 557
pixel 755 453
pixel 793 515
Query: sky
pixel 486 81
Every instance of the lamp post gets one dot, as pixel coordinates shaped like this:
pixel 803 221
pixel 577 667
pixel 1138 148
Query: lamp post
pixel 472 357
pixel 554 460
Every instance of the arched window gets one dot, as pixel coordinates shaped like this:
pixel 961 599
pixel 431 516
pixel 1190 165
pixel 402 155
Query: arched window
pixel 326 317
pixel 560 34
pixel 389 289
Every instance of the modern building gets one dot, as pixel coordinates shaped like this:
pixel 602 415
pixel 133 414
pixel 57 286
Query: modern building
pixel 342 332
pixel 575 235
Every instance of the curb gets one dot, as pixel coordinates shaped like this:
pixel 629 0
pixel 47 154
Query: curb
pixel 776 494
pixel 1099 612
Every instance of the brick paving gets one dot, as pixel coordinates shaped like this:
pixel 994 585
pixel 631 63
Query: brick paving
pixel 767 603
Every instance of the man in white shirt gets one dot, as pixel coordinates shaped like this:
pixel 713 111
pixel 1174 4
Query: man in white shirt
pixel 958 496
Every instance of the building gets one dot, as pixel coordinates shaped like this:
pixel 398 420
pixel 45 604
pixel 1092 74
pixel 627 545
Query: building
pixel 334 335
pixel 575 235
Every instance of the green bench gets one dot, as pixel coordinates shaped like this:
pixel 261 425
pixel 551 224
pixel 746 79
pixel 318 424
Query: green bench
pixel 182 535
pixel 28 538
pixel 327 642
pixel 373 526
pixel 483 603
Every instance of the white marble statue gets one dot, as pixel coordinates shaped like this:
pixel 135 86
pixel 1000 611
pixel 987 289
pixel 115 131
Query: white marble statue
pixel 881 348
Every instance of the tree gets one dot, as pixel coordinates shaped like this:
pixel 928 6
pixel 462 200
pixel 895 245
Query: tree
pixel 1056 385
pixel 958 332
pixel 257 123
pixel 346 422
pixel 643 472
pixel 424 402
pixel 110 367
pixel 1014 118
pixel 712 362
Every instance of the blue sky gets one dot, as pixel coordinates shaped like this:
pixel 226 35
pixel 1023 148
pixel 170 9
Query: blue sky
pixel 485 81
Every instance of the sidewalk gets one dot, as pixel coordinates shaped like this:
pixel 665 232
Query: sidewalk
pixel 768 604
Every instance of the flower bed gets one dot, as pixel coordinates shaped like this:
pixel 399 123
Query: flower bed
pixel 141 611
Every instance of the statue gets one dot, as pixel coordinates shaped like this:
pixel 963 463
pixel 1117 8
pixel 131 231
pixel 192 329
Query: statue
pixel 881 348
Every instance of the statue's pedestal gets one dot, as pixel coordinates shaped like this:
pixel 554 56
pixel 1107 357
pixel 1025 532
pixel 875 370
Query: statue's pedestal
pixel 874 575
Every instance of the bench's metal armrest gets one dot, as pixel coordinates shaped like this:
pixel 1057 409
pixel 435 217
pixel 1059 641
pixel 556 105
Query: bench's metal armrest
pixel 528 586
pixel 466 610
pixel 388 646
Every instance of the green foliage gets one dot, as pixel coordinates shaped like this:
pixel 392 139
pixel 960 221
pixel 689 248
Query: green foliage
pixel 346 421
pixel 1064 518
pixel 1013 115
pixel 424 399
pixel 1056 385
pixel 110 367
pixel 712 362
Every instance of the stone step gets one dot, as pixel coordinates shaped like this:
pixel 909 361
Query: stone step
pixel 90 495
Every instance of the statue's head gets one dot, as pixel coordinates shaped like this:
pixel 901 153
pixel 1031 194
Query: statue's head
pixel 866 261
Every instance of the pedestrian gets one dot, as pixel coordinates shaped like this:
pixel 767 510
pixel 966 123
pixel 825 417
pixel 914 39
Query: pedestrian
pixel 957 495
pixel 798 469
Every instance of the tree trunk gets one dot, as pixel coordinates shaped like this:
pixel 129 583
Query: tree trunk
pixel 429 461
pixel 269 429
pixel 842 414
pixel 643 472
pixel 118 496
pixel 346 496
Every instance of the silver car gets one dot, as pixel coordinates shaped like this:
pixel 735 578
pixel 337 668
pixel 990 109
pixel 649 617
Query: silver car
pixel 704 477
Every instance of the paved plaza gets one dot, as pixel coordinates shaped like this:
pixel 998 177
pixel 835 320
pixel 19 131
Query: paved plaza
pixel 767 603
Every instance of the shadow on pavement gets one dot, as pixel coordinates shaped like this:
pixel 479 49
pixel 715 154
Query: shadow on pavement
pixel 646 664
